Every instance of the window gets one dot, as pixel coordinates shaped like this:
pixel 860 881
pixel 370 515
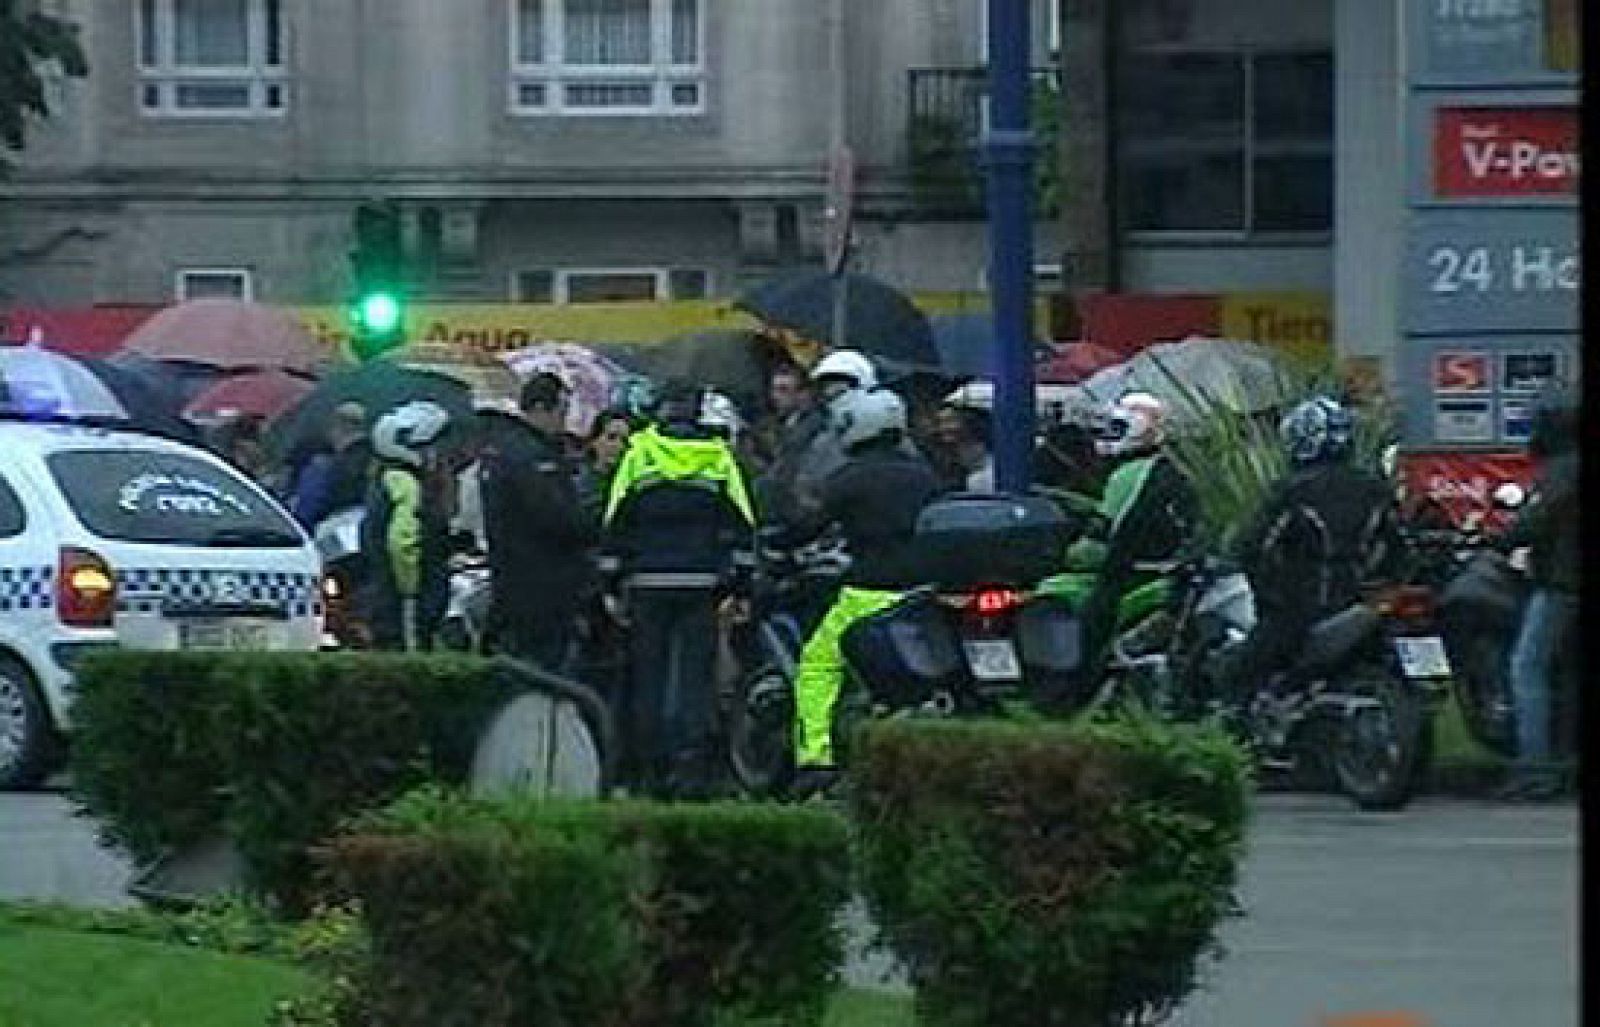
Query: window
pixel 13 518
pixel 1237 143
pixel 211 283
pixel 138 495
pixel 599 57
pixel 610 285
pixel 211 58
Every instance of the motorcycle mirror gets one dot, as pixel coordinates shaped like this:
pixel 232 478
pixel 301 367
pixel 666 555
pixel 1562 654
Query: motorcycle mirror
pixel 1509 496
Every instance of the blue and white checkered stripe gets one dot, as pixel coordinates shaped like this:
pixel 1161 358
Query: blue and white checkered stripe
pixel 145 590
pixel 27 588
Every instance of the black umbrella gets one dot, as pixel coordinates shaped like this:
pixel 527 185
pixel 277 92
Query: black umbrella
pixel 154 400
pixel 728 360
pixel 880 320
pixel 379 386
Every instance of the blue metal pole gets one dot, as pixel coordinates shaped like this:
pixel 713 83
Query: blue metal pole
pixel 1008 158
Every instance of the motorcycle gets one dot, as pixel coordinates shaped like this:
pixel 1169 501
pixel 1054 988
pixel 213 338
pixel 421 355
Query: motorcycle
pixel 1481 608
pixel 793 589
pixel 1355 707
pixel 979 638
pixel 338 541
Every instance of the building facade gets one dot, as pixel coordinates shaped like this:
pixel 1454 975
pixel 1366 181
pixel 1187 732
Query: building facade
pixel 576 150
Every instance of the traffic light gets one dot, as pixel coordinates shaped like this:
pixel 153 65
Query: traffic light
pixel 377 315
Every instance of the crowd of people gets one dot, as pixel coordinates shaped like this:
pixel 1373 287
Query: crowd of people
pixel 640 537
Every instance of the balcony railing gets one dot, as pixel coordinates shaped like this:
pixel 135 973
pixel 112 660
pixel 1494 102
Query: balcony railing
pixel 946 116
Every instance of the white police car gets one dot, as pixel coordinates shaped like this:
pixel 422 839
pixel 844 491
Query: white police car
pixel 112 538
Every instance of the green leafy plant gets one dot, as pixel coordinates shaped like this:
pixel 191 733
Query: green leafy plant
pixel 271 751
pixel 629 913
pixel 1048 874
pixel 1233 459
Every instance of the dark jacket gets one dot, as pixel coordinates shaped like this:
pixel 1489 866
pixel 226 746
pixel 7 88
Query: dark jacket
pixel 679 508
pixel 1321 532
pixel 875 499
pixel 1548 525
pixel 330 482
pixel 534 523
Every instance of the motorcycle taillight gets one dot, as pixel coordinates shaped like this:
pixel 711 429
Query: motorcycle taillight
pixel 995 602
pixel 1408 603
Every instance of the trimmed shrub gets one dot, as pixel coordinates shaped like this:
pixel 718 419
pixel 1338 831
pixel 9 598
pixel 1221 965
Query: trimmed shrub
pixel 1048 874
pixel 625 913
pixel 272 750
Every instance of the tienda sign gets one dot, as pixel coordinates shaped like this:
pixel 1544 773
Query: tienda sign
pixel 1505 151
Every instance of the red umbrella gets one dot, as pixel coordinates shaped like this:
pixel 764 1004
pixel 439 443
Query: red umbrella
pixel 1076 361
pixel 228 334
pixel 265 394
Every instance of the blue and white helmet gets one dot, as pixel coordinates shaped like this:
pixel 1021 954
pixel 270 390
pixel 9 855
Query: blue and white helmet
pixel 1318 430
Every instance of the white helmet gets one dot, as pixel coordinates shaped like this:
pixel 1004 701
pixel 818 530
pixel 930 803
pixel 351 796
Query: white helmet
pixel 403 433
pixel 847 364
pixel 1134 424
pixel 861 415
pixel 719 414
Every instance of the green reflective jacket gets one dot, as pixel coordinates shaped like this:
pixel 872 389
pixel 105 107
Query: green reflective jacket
pixel 653 457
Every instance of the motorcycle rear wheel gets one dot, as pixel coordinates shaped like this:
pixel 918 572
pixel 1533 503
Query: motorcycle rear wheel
pixel 760 742
pixel 1379 752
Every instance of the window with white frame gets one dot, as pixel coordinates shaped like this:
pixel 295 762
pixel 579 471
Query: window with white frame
pixel 599 57
pixel 212 58
pixel 609 285
pixel 203 283
pixel 1226 142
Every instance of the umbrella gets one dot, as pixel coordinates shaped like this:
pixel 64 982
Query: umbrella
pixel 229 334
pixel 881 321
pixel 490 380
pixel 380 386
pixel 593 379
pixel 264 394
pixel 153 397
pixel 1076 361
pixel 1243 376
pixel 36 384
pixel 729 360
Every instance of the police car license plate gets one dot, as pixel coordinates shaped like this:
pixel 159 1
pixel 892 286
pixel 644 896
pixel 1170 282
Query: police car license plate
pixel 993 659
pixel 222 634
pixel 1422 656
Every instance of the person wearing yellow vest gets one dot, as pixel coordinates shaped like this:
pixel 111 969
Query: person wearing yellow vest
pixel 678 537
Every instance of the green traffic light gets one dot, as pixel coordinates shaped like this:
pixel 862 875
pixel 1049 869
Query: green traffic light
pixel 378 314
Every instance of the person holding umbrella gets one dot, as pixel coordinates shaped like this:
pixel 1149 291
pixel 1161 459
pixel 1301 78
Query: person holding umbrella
pixel 335 478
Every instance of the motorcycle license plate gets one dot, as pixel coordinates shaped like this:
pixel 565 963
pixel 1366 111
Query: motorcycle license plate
pixel 993 659
pixel 217 634
pixel 1422 657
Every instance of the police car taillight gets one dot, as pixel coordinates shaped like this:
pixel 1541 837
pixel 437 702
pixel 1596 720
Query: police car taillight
pixel 86 590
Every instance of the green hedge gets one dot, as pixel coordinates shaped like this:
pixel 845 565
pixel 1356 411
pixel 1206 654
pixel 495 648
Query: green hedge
pixel 599 913
pixel 1048 874
pixel 271 750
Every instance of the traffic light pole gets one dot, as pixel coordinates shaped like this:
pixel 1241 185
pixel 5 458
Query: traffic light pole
pixel 1008 158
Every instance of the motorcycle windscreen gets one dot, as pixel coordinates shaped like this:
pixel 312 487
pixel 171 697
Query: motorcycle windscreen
pixel 904 653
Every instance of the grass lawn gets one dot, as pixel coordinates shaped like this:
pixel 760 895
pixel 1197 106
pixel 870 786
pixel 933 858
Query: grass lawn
pixel 51 978
pixel 58 978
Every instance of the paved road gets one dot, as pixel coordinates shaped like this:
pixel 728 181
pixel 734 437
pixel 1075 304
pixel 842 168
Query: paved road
pixel 1462 913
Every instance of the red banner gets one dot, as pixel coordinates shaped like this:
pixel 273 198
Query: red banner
pixel 1463 483
pixel 1505 151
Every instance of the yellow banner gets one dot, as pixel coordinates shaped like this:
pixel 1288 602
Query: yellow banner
pixel 502 327
pixel 1298 323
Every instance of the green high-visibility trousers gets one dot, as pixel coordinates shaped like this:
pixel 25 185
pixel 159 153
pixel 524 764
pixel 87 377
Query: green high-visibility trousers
pixel 820 674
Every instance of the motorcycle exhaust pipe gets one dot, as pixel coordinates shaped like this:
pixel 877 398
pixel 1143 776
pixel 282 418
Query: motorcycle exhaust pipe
pixel 943 704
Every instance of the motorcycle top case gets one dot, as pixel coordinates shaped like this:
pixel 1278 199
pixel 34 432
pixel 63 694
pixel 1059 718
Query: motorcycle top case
pixel 970 540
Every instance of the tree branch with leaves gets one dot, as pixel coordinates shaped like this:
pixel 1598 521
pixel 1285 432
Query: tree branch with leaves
pixel 29 40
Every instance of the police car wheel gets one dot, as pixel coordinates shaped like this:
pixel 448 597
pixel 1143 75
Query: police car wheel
pixel 25 739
